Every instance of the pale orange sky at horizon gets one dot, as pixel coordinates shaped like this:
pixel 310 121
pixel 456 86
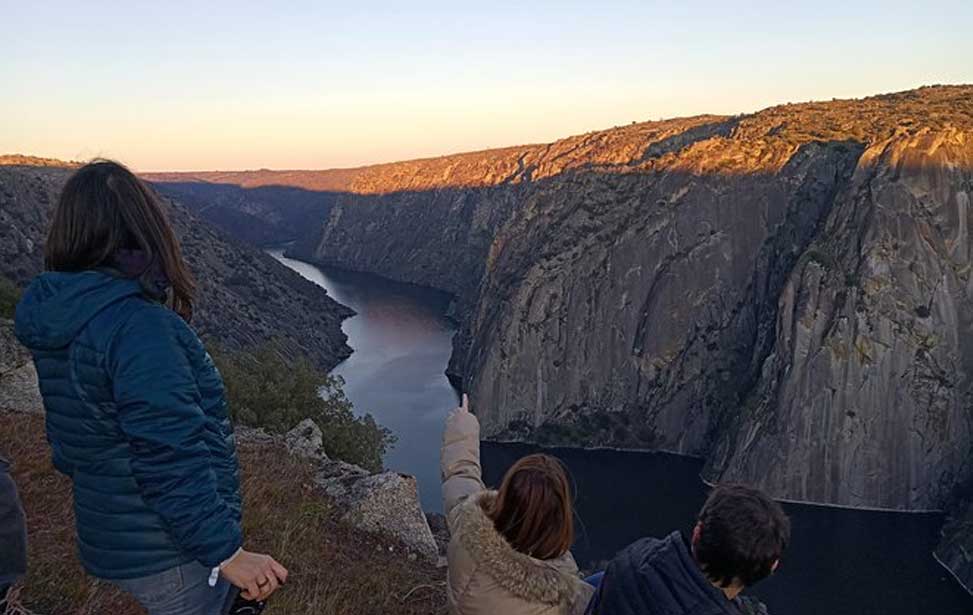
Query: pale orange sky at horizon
pixel 304 156
pixel 182 87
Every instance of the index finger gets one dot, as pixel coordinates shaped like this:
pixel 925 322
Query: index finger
pixel 466 403
pixel 279 571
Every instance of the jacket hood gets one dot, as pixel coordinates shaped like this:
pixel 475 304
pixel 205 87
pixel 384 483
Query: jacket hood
pixel 57 305
pixel 546 581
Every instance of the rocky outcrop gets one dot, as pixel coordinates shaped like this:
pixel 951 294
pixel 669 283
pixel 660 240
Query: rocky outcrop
pixel 785 293
pixel 245 297
pixel 384 504
pixel 955 550
pixel 866 396
pixel 18 378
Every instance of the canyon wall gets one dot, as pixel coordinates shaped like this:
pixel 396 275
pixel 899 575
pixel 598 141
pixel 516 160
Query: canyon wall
pixel 787 294
pixel 784 293
pixel 245 297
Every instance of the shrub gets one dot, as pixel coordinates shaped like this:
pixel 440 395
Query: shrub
pixel 9 296
pixel 265 390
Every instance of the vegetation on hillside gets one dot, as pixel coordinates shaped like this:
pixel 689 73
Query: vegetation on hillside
pixel 334 568
pixel 9 296
pixel 265 390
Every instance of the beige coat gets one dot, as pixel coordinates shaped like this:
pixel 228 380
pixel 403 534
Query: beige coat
pixel 487 575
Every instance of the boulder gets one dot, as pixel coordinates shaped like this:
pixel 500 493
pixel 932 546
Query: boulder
pixel 385 504
pixel 306 440
pixel 18 378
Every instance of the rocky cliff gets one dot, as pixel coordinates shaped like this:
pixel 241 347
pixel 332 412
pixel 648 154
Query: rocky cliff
pixel 245 297
pixel 785 293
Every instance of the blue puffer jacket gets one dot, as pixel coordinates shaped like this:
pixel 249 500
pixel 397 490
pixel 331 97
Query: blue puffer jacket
pixel 137 418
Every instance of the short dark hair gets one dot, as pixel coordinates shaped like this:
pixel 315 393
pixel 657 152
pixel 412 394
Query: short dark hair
pixel 104 208
pixel 742 533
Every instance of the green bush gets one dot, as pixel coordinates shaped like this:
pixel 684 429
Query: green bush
pixel 9 296
pixel 264 390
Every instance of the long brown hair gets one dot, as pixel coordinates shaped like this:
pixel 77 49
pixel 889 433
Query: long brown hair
pixel 533 509
pixel 105 208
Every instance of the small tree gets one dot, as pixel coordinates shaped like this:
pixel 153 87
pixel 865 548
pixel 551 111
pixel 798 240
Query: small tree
pixel 264 390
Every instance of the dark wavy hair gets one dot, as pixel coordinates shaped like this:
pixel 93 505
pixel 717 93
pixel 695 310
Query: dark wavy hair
pixel 105 208
pixel 533 509
pixel 741 535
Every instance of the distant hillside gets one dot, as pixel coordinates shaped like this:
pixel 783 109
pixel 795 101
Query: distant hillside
pixel 245 297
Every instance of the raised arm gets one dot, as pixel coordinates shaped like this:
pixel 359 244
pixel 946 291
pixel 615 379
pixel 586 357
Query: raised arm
pixel 460 459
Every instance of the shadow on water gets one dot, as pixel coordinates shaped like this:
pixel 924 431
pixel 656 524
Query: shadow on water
pixel 841 561
pixel 402 341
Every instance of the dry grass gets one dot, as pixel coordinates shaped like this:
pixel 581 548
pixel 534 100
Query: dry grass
pixel 334 569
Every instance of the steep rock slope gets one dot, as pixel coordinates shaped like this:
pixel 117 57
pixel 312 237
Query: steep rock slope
pixel 785 293
pixel 866 398
pixel 651 286
pixel 245 297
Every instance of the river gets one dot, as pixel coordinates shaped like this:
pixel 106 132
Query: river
pixel 841 561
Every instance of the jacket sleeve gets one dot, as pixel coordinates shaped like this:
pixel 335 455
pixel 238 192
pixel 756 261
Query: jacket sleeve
pixel 460 459
pixel 158 409
pixel 61 464
pixel 224 457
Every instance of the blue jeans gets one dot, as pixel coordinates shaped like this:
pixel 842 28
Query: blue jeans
pixel 183 590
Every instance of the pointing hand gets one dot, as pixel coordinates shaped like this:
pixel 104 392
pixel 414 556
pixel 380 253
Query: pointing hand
pixel 462 410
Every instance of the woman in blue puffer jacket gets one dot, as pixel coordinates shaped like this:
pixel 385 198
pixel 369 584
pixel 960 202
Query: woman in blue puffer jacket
pixel 136 415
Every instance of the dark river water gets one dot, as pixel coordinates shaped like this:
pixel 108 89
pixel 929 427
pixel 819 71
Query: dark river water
pixel 841 562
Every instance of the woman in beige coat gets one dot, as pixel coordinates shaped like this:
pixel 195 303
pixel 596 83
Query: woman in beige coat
pixel 509 551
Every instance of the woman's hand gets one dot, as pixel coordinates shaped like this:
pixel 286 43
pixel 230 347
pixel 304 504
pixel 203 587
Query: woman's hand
pixel 256 574
pixel 461 420
pixel 464 408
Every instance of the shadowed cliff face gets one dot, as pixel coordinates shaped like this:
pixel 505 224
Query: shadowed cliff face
pixel 785 294
pixel 245 297
pixel 866 396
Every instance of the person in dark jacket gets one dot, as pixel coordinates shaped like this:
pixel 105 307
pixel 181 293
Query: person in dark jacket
pixel 738 539
pixel 13 534
pixel 135 409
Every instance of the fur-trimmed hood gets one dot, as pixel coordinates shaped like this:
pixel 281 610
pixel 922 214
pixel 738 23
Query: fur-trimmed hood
pixel 551 582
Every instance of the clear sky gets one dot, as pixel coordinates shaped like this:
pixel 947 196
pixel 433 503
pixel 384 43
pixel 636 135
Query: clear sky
pixel 234 85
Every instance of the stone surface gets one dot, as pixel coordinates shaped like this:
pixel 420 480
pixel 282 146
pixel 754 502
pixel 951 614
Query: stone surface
pixel 386 504
pixel 306 440
pixel 18 378
pixel 245 297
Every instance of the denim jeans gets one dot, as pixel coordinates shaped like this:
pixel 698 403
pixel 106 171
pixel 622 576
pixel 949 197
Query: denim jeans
pixel 183 590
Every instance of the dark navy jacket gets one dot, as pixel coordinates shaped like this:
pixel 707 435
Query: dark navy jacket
pixel 13 532
pixel 136 417
pixel 661 577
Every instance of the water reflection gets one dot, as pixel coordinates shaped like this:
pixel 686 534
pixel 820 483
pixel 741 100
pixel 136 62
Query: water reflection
pixel 402 342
